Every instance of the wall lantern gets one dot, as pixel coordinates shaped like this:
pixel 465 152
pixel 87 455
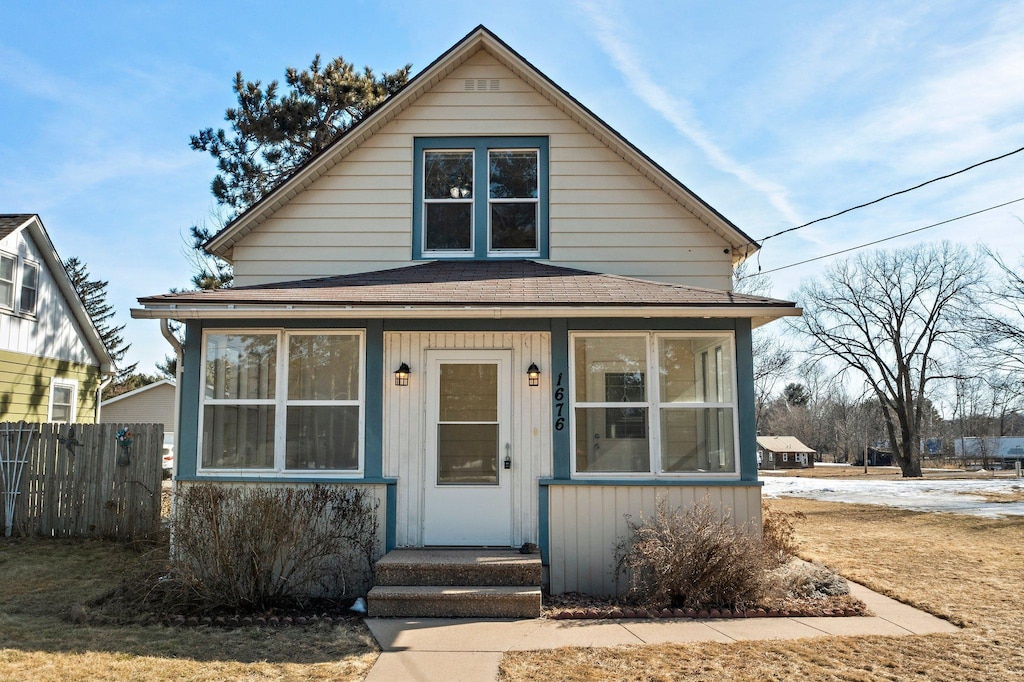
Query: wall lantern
pixel 534 374
pixel 402 375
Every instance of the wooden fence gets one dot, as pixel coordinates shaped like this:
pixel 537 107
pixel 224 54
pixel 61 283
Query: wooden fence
pixel 79 481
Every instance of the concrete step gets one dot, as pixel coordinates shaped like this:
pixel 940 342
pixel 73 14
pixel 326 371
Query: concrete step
pixel 452 567
pixel 436 601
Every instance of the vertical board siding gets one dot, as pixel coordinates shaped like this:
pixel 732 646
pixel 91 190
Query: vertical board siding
pixel 605 214
pixel 405 423
pixel 587 522
pixel 85 493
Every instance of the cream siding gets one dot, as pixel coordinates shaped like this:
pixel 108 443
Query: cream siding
pixel 586 522
pixel 405 424
pixel 604 214
pixel 51 333
pixel 153 406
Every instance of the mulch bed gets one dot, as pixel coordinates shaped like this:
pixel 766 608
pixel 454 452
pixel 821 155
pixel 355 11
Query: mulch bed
pixel 580 606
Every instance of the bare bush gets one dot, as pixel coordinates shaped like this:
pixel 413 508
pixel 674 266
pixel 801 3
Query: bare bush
pixel 692 559
pixel 799 579
pixel 259 547
pixel 778 534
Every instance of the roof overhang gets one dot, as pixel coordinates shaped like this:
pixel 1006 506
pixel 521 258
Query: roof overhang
pixel 55 266
pixel 757 314
pixel 222 244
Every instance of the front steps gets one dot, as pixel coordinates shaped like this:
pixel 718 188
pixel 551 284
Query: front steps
pixel 456 583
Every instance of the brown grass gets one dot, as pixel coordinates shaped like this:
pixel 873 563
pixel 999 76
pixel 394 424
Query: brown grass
pixel 966 569
pixel 42 581
pixel 882 473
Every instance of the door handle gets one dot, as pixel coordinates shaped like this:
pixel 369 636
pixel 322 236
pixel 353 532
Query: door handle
pixel 508 455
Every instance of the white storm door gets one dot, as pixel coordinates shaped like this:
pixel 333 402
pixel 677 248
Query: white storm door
pixel 467 495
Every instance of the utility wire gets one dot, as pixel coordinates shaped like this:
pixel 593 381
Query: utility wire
pixel 889 196
pixel 884 239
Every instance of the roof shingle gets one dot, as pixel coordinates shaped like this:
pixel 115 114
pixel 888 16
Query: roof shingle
pixel 9 222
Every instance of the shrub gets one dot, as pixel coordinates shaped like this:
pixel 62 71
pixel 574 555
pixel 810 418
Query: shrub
pixel 692 559
pixel 260 547
pixel 779 533
pixel 805 580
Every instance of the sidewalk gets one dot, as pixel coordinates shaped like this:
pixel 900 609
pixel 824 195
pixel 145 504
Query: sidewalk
pixel 454 650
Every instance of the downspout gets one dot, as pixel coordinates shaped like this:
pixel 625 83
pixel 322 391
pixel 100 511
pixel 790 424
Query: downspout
pixel 165 329
pixel 99 394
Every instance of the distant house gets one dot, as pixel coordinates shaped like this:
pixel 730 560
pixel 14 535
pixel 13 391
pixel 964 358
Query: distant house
pixel 783 452
pixel 877 457
pixel 151 404
pixel 1004 450
pixel 52 360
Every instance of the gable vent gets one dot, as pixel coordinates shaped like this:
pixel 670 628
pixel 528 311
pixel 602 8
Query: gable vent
pixel 482 84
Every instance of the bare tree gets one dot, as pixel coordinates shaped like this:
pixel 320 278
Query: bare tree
pixel 889 316
pixel 999 328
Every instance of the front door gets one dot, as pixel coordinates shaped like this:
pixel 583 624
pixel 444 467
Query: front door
pixel 468 490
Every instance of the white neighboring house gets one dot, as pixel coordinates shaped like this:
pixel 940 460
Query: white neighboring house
pixel 151 404
pixel 52 361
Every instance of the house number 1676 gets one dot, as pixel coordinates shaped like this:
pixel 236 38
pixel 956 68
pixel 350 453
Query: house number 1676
pixel 559 404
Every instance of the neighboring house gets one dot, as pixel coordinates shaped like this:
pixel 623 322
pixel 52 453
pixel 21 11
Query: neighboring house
pixel 486 304
pixel 52 361
pixel 151 404
pixel 1004 450
pixel 877 457
pixel 783 452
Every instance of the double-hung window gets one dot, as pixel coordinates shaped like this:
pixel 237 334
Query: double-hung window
pixel 7 265
pixel 63 394
pixel 282 402
pixel 481 198
pixel 29 287
pixel 654 403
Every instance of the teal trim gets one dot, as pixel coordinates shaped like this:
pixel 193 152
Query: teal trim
pixel 188 409
pixel 561 440
pixel 745 400
pixel 373 405
pixel 391 517
pixel 673 482
pixel 479 145
pixel 543 539
pixel 243 478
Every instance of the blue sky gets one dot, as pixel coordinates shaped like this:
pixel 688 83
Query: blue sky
pixel 773 114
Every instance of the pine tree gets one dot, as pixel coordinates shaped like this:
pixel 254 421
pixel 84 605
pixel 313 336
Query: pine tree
pixel 93 293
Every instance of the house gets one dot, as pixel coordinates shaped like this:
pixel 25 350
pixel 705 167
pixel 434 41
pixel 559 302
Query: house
pixel 150 404
pixel 783 452
pixel 52 361
pixel 489 306
pixel 991 451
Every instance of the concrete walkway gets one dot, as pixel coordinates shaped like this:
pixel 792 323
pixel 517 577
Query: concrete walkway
pixel 453 650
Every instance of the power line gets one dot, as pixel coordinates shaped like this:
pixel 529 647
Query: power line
pixel 884 239
pixel 889 196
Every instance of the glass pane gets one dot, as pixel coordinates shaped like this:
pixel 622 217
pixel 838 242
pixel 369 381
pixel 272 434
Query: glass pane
pixel 467 453
pixel 697 440
pixel 61 413
pixel 468 393
pixel 513 174
pixel 7 294
pixel 28 300
pixel 601 446
pixel 695 370
pixel 603 359
pixel 238 437
pixel 323 367
pixel 61 395
pixel 241 366
pixel 323 437
pixel 448 175
pixel 30 276
pixel 514 227
pixel 6 269
pixel 448 227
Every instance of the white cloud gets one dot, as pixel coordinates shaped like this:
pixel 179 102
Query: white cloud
pixel 676 110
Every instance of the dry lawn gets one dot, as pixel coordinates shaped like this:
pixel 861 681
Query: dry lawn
pixel 856 473
pixel 42 581
pixel 965 569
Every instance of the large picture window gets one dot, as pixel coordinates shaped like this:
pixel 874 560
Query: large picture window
pixel 654 403
pixel 286 402
pixel 480 197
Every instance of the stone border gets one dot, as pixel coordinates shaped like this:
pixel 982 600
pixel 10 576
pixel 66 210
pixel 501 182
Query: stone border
pixel 693 614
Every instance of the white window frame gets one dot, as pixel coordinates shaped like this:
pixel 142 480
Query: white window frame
pixel 471 201
pixel 64 383
pixel 27 265
pixel 654 405
pixel 13 281
pixel 281 402
pixel 509 253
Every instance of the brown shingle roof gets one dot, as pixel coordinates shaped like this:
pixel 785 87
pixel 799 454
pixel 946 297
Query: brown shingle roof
pixel 486 283
pixel 9 222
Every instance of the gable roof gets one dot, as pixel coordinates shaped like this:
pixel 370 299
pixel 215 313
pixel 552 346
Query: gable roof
pixel 138 391
pixel 222 243
pixel 782 444
pixel 467 288
pixel 10 223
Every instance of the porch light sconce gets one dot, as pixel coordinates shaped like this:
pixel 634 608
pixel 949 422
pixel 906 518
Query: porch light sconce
pixel 534 374
pixel 402 375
